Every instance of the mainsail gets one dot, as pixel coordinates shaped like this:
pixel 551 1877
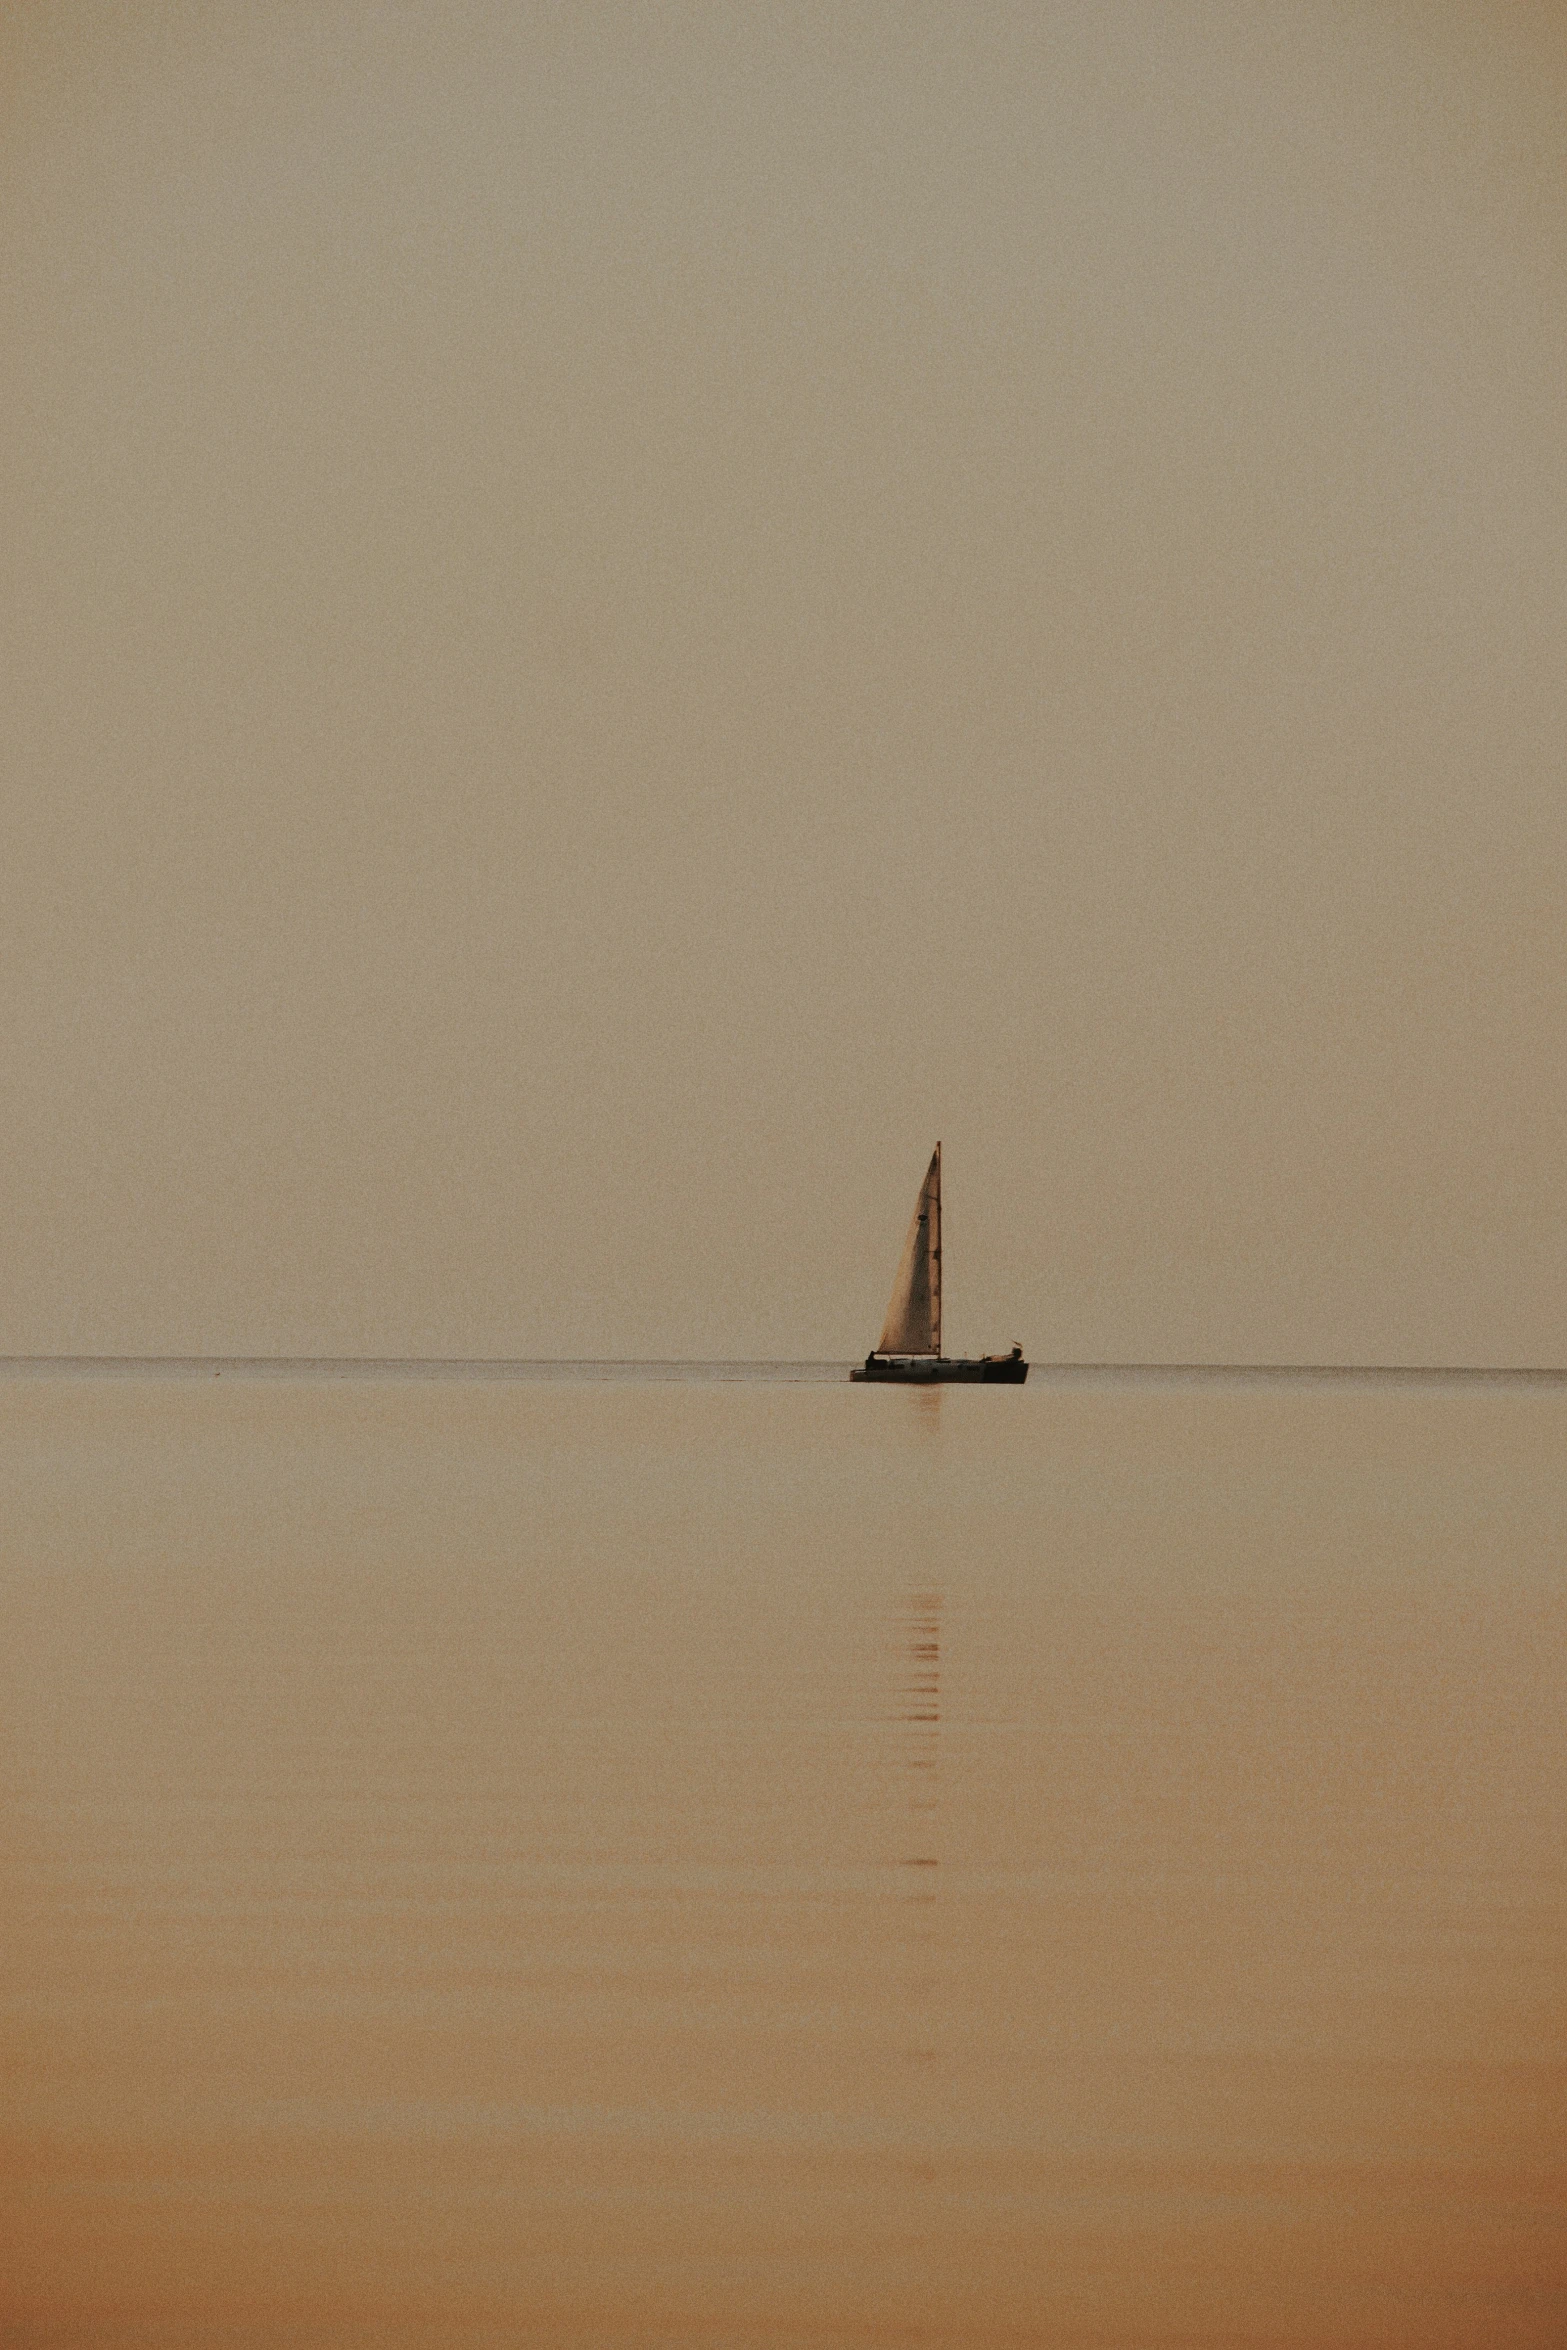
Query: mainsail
pixel 913 1324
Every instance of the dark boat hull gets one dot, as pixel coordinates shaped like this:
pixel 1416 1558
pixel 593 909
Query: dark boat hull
pixel 934 1370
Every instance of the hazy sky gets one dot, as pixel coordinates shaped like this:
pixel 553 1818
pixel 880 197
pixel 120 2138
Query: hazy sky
pixel 617 616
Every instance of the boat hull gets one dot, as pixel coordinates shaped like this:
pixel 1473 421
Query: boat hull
pixel 934 1370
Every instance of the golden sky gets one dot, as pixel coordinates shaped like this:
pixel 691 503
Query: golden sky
pixel 618 616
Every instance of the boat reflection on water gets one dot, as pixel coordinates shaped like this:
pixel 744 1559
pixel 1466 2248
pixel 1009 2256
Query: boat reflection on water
pixel 919 1692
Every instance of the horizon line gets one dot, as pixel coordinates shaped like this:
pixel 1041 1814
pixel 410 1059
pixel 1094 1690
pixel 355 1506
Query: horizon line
pixel 499 1367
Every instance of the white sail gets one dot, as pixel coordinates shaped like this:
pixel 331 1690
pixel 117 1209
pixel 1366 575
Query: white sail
pixel 913 1324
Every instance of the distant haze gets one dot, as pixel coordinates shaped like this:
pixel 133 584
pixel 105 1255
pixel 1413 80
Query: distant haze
pixel 617 617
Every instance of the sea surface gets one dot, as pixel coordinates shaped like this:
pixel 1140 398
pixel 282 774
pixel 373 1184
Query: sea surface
pixel 719 1857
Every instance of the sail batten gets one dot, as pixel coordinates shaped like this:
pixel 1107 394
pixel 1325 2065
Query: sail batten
pixel 913 1324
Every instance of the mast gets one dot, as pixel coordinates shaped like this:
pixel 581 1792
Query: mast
pixel 935 1258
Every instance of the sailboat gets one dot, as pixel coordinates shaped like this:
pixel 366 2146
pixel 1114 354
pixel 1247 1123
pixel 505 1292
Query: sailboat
pixel 909 1347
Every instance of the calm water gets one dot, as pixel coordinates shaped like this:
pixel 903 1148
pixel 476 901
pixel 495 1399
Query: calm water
pixel 724 1863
